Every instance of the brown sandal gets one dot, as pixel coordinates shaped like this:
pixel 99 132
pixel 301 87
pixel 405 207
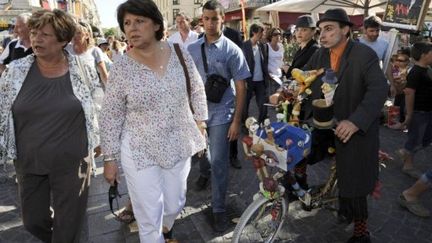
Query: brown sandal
pixel 126 216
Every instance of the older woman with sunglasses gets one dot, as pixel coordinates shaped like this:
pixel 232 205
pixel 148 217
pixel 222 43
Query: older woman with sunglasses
pixel 275 58
pixel 147 122
pixel 48 127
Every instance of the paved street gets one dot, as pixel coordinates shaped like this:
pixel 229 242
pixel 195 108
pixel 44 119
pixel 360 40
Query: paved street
pixel 388 223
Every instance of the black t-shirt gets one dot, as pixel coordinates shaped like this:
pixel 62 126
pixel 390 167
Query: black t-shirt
pixel 419 80
pixel 50 126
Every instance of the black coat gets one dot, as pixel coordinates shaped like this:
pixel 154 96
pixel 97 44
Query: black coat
pixel 302 56
pixel 359 98
pixel 248 53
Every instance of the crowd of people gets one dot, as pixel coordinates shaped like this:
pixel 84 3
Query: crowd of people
pixel 154 104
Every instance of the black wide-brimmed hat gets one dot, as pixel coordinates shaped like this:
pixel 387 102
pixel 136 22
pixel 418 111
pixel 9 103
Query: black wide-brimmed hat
pixel 335 14
pixel 305 21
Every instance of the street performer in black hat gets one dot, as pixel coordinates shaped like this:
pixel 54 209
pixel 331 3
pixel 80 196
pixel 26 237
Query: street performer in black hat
pixel 358 100
pixel 304 32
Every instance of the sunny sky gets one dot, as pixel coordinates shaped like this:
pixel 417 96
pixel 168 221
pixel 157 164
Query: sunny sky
pixel 107 11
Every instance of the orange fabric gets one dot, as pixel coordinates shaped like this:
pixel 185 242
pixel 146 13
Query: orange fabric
pixel 336 55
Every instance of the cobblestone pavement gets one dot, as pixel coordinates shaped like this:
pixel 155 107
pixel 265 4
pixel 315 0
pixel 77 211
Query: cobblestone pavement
pixel 388 222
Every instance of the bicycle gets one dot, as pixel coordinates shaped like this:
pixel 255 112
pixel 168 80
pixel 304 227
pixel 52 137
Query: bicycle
pixel 264 217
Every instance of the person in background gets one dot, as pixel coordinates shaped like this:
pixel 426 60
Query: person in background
pixel 357 104
pixel 372 26
pixel 226 60
pixel 116 50
pixel 267 27
pixel 418 102
pixel 256 55
pixel 48 127
pixel 275 58
pixel 409 198
pixel 184 36
pixel 83 46
pixel 19 47
pixel 147 121
pixel 400 71
pixel 106 53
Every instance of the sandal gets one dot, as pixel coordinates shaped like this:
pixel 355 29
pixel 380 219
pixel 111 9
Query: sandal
pixel 415 207
pixel 126 216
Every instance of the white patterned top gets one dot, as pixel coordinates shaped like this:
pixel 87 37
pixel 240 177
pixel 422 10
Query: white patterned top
pixel 154 112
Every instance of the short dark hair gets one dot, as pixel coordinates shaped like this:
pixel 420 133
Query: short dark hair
pixel 420 48
pixel 372 22
pixel 404 51
pixel 145 8
pixel 62 23
pixel 255 28
pixel 214 5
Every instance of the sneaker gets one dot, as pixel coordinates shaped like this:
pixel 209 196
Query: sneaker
pixel 414 207
pixel 220 222
pixel 235 163
pixel 202 183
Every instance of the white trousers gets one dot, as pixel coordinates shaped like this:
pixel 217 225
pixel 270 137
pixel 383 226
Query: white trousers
pixel 158 195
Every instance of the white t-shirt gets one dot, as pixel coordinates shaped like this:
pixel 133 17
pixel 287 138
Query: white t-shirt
pixel 176 38
pixel 275 60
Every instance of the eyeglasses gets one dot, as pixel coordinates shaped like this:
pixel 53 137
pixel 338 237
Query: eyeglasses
pixel 401 60
pixel 113 194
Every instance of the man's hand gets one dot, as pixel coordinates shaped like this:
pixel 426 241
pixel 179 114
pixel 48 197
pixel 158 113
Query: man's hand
pixel 345 129
pixel 233 131
pixel 97 151
pixel 111 172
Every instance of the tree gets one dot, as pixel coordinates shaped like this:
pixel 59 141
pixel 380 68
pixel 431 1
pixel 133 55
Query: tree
pixel 110 31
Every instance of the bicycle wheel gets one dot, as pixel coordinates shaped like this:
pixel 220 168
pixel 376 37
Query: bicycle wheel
pixel 261 221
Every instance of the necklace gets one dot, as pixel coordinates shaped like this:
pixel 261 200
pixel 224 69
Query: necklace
pixel 61 62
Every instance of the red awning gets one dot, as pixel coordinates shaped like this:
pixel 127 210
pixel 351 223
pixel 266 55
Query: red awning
pixel 235 15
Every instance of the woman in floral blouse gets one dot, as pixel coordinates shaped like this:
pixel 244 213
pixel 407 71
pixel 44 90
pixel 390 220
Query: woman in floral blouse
pixel 146 121
pixel 48 127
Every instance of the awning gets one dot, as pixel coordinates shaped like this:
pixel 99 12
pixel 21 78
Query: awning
pixel 235 15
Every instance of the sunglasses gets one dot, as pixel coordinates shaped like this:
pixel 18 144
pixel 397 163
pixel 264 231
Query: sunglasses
pixel 401 60
pixel 276 34
pixel 113 193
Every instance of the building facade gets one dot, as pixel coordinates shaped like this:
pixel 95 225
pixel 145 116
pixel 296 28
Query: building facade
pixel 170 8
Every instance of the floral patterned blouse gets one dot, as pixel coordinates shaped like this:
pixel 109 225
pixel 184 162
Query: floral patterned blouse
pixel 153 111
pixel 11 82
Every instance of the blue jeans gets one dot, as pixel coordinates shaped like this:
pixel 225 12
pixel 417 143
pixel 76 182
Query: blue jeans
pixel 427 177
pixel 419 131
pixel 218 155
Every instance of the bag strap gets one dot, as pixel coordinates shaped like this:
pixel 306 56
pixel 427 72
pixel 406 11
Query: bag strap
pixel 204 58
pixel 186 73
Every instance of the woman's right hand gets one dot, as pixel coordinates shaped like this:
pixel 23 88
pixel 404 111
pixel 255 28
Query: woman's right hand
pixel 111 172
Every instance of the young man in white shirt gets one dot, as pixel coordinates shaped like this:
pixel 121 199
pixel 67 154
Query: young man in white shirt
pixel 184 36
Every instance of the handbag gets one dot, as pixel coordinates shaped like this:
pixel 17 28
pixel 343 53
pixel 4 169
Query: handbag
pixel 215 85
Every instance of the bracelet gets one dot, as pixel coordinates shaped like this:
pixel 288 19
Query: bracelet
pixel 108 158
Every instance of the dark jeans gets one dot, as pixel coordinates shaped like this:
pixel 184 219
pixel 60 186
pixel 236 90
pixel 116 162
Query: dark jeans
pixel 400 101
pixel 259 89
pixel 217 158
pixel 419 131
pixel 69 191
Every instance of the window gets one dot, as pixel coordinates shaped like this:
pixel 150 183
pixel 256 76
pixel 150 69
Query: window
pixel 175 12
pixel 176 2
pixel 197 1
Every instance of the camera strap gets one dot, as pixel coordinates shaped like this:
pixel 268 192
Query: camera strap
pixel 204 58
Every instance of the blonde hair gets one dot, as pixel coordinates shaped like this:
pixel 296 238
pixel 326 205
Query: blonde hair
pixel 86 28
